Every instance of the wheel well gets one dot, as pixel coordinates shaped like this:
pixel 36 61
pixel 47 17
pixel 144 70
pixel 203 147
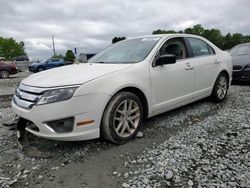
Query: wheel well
pixel 225 72
pixel 5 70
pixel 142 97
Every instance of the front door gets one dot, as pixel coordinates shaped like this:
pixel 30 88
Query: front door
pixel 172 85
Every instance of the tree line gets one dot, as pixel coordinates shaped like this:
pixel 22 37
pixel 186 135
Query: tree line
pixel 10 48
pixel 225 42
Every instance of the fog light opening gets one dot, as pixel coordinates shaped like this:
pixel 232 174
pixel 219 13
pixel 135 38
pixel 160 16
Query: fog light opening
pixel 60 126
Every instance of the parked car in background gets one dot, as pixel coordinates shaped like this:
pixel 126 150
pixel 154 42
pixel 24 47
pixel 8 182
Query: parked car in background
pixel 111 94
pixel 241 62
pixel 21 58
pixel 47 64
pixel 7 69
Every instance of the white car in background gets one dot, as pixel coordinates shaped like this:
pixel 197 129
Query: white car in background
pixel 111 94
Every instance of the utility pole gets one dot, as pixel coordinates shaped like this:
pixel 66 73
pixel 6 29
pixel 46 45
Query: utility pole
pixel 54 50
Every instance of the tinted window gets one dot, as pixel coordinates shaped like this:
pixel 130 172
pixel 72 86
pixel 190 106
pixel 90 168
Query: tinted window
pixel 240 50
pixel 199 47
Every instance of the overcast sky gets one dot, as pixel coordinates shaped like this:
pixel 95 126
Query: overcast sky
pixel 90 25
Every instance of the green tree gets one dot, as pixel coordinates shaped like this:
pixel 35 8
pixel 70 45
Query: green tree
pixel 196 30
pixel 159 31
pixel 215 36
pixel 69 56
pixel 10 48
pixel 117 39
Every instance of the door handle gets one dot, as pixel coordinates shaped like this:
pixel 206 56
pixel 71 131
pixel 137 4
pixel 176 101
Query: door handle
pixel 188 67
pixel 216 61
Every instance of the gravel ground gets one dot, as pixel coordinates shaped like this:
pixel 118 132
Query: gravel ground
pixel 200 145
pixel 8 86
pixel 214 152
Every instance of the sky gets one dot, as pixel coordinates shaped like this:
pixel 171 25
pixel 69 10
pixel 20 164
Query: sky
pixel 90 25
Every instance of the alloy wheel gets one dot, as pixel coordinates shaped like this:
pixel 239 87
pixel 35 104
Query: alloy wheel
pixel 126 118
pixel 222 87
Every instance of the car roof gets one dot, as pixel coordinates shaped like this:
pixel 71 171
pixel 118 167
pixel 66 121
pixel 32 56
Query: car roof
pixel 166 35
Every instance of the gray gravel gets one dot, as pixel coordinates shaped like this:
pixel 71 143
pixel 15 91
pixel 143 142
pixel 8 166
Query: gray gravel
pixel 199 145
pixel 8 86
pixel 214 152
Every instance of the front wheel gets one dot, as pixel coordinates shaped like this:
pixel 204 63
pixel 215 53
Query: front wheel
pixel 220 88
pixel 122 118
pixel 39 69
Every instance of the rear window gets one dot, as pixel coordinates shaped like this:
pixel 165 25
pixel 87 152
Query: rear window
pixel 200 48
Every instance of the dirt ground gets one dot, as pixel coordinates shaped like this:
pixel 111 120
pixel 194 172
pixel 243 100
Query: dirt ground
pixel 94 163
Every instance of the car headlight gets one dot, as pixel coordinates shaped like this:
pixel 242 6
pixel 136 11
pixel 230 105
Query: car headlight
pixel 56 95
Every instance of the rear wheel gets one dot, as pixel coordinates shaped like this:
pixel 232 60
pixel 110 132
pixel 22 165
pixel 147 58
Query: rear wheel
pixel 220 88
pixel 4 74
pixel 122 118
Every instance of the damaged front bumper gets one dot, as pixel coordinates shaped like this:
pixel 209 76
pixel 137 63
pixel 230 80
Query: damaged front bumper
pixel 75 119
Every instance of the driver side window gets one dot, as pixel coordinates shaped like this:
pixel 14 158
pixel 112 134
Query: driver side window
pixel 175 46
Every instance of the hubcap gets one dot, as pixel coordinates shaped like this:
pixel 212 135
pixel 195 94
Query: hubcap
pixel 222 87
pixel 126 118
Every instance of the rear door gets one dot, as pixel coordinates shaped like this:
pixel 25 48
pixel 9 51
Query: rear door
pixel 206 66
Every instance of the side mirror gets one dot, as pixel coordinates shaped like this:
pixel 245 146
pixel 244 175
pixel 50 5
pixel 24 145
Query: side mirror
pixel 165 59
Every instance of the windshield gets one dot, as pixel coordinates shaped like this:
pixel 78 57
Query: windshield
pixel 128 51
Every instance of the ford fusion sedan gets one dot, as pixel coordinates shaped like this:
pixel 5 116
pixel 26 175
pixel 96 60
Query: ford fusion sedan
pixel 115 90
pixel 48 64
pixel 241 62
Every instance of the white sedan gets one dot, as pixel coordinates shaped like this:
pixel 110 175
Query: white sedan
pixel 111 94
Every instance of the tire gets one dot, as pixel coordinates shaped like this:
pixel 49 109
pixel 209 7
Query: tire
pixel 220 88
pixel 118 124
pixel 4 74
pixel 39 69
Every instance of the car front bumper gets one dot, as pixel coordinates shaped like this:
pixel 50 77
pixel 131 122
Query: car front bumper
pixel 242 74
pixel 86 112
pixel 32 68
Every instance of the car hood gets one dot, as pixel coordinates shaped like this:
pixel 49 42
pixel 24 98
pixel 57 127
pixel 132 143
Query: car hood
pixel 72 74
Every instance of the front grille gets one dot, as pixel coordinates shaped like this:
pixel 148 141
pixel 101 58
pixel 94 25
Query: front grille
pixel 237 67
pixel 26 96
